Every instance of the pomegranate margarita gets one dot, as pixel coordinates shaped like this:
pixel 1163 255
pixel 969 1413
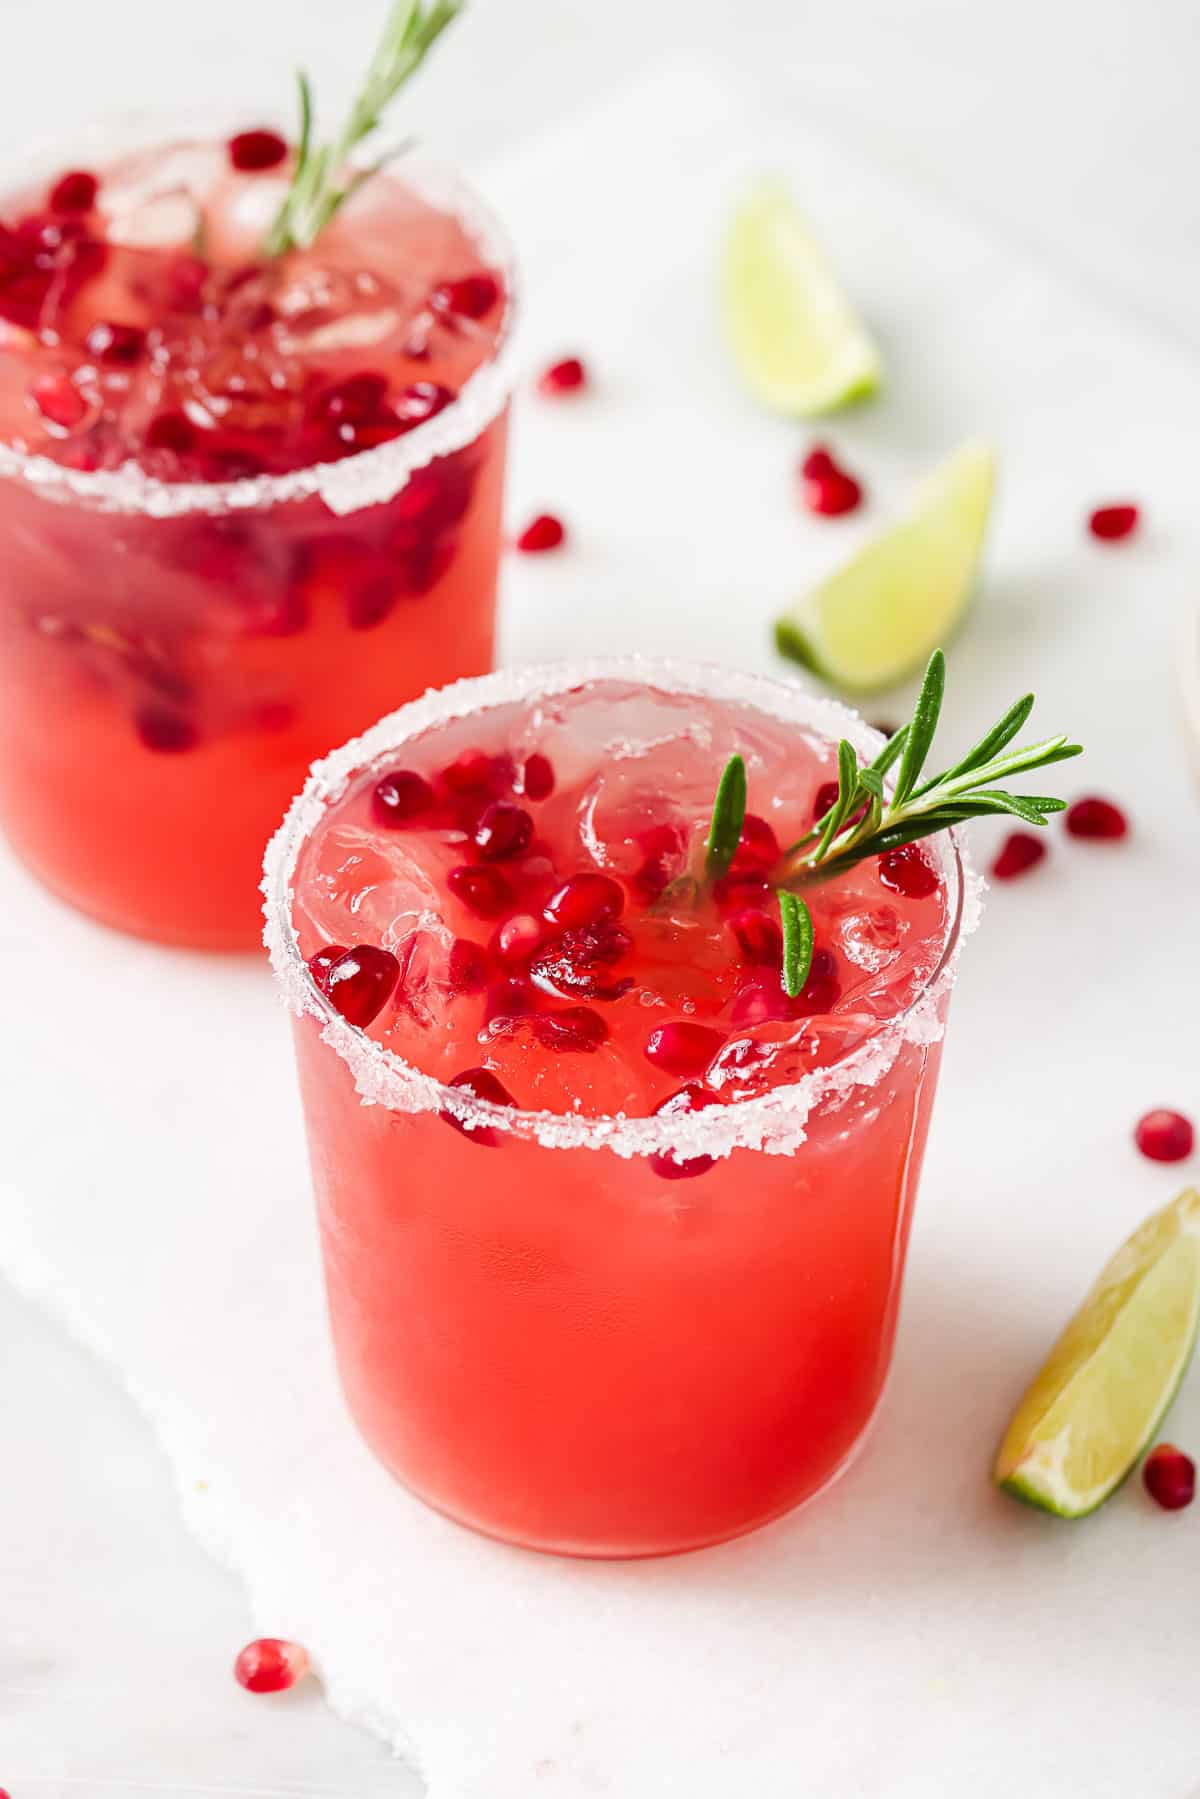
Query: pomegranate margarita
pixel 613 1225
pixel 249 500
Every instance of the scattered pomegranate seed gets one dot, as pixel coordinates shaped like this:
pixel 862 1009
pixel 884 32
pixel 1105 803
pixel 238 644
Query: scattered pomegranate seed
pixel 759 938
pixel 399 797
pixel 170 732
pixel 817 464
pixel 908 871
pixel 583 899
pixel 422 401
pixel 74 192
pixel 360 983
pixel 828 488
pixel 517 938
pixel 1164 1136
pixel 58 401
pixel 662 848
pixel 576 1028
pixel 117 346
pixel 564 377
pixel 1097 819
pixel 1111 523
pixel 542 533
pixel 1019 852
pixel 1169 1476
pixel 322 960
pixel 503 832
pixel 684 1048
pixel 467 967
pixel 689 1099
pixel 483 891
pixel 741 892
pixel 482 1084
pixel 537 777
pixel 252 151
pixel 270 1665
pixel 472 297
pixel 758 847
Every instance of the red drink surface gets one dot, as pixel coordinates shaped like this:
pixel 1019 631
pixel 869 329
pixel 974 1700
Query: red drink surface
pixel 173 648
pixel 569 1334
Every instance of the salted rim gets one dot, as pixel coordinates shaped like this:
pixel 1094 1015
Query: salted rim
pixel 774 1122
pixel 367 479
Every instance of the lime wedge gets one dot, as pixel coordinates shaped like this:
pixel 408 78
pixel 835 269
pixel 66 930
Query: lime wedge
pixel 878 618
pixel 1109 1379
pixel 794 335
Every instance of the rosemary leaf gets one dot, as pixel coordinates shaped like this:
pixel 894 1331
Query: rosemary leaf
pixel 797 942
pixel 729 813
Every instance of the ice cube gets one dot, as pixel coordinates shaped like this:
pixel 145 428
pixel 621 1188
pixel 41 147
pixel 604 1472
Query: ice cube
pixel 164 222
pixel 871 936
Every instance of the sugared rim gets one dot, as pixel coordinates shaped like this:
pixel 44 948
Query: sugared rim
pixel 367 479
pixel 775 1122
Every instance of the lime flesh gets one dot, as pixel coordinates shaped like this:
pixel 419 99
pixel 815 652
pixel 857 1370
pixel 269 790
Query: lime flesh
pixel 1107 1383
pixel 794 335
pixel 878 619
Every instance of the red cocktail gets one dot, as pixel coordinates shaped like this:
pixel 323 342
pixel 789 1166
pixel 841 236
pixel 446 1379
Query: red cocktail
pixel 614 1252
pixel 249 500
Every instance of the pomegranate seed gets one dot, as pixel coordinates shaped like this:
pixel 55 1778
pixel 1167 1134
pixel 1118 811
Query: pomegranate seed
pixel 583 899
pixel 684 1048
pixel 355 401
pixel 58 401
pixel 399 797
pixel 251 151
pixel 503 831
pixel 517 938
pixel 688 1099
pixel 662 848
pixel 472 297
pixel 483 891
pixel 1019 852
pixel 422 401
pixel 467 968
pixel 537 778
pixel 117 346
pixel 322 960
pixel 360 983
pixel 481 1083
pixel 759 938
pixel 741 892
pixel 74 192
pixel 564 377
pixel 908 871
pixel 822 989
pixel 171 431
pixel 832 493
pixel 543 533
pixel 1164 1136
pixel 511 998
pixel 165 730
pixel 1111 523
pixel 576 967
pixel 576 1028
pixel 475 772
pixel 1097 819
pixel 826 797
pixel 758 847
pixel 818 464
pixel 1169 1477
pixel 270 1665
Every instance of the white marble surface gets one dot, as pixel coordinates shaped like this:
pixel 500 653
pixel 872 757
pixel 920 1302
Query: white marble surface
pixel 1070 128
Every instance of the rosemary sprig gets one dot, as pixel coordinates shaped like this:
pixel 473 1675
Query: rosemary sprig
pixel 866 820
pixel 321 182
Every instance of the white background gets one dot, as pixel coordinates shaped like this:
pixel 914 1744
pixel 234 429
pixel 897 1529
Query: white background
pixel 1070 128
